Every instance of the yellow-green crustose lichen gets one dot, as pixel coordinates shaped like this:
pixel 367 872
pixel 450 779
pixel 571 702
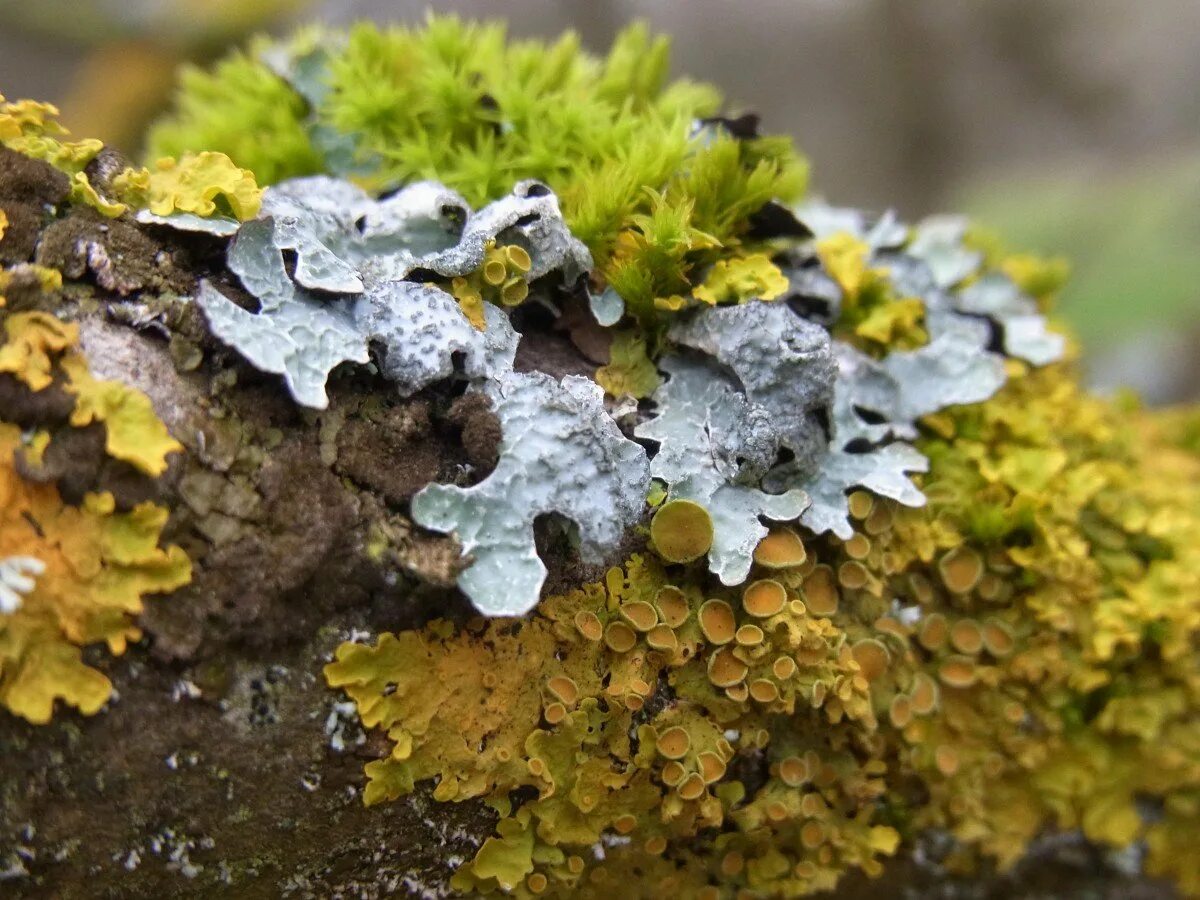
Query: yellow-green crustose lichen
pixel 896 570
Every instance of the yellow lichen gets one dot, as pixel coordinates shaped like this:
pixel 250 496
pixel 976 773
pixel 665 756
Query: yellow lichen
pixel 740 278
pixel 133 431
pixel 32 128
pixel 32 341
pixel 576 752
pixel 681 531
pixel 38 343
pixel 629 370
pixel 500 279
pixel 205 184
pixel 780 549
pixel 871 316
pixel 99 563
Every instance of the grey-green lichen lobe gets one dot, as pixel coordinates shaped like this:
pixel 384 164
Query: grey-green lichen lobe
pixel 560 452
pixel 706 432
pixel 353 281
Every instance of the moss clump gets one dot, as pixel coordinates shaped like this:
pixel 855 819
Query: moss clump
pixel 244 110
pixel 657 197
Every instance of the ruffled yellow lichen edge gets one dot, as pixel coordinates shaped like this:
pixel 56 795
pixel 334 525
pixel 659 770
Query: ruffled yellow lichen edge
pixel 204 183
pixel 97 563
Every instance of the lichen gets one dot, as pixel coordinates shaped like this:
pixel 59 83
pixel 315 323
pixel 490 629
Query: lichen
pixel 933 571
pixel 32 128
pixel 706 432
pixel 887 570
pixel 18 576
pixel 627 705
pixel 559 452
pixel 629 370
pixel 92 564
pixel 199 184
pixel 639 182
pixel 348 284
pixel 38 346
pixel 1008 677
pixel 202 184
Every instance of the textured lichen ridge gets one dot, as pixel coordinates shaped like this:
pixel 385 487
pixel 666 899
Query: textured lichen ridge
pixel 348 285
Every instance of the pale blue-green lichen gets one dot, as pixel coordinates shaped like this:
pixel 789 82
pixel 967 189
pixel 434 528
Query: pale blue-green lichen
pixel 349 281
pixel 782 363
pixel 559 452
pixel 710 440
pixel 782 423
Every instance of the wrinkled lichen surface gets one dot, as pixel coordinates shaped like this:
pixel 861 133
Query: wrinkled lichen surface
pixel 504 419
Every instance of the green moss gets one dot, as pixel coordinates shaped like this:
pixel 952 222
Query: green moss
pixel 244 110
pixel 655 198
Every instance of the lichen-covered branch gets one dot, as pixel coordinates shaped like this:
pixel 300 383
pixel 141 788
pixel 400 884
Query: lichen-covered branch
pixel 489 479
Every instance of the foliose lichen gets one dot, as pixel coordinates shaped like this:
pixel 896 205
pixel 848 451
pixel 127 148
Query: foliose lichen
pixel 73 575
pixel 353 282
pixel 559 452
pixel 195 186
pixel 885 568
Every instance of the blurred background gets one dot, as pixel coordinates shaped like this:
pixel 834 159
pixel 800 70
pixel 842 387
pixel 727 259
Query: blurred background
pixel 1071 127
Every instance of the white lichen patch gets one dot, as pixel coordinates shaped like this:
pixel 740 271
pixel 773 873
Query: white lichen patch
pixel 339 277
pixel 764 416
pixel 529 217
pixel 607 307
pixel 938 241
pixel 18 577
pixel 559 453
pixel 432 339
pixel 877 402
pixel 880 233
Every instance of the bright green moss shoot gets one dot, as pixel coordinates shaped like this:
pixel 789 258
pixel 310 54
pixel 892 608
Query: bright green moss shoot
pixel 655 201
